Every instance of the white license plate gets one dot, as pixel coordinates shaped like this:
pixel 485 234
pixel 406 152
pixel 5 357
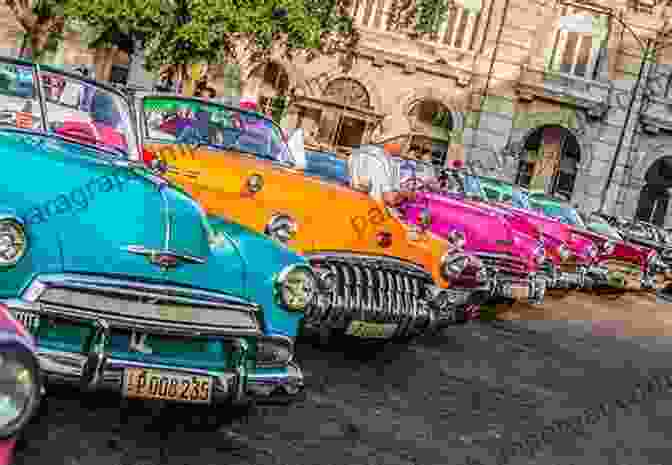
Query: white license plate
pixel 364 329
pixel 144 383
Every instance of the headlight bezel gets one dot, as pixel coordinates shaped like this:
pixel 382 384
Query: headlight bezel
pixel 277 223
pixel 20 226
pixel 452 265
pixel 457 239
pixel 280 285
pixel 11 343
pixel 608 247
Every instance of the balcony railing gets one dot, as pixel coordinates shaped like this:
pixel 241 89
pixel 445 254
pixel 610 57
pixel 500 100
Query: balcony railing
pixel 584 93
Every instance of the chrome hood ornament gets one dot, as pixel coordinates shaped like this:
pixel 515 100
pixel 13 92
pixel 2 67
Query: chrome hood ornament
pixel 166 259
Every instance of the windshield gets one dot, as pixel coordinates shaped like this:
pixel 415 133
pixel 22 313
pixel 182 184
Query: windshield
pixel 76 108
pixel 563 213
pixel 179 120
pixel 600 225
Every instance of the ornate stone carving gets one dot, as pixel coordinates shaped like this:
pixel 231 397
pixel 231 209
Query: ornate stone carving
pixel 348 91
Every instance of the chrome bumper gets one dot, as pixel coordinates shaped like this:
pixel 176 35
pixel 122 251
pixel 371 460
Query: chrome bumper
pixel 458 305
pixel 284 385
pixel 70 368
pixel 97 370
pixel 536 289
pixel 567 280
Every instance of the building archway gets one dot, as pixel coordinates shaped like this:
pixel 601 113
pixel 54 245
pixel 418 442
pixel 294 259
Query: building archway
pixel 431 125
pixel 654 196
pixel 550 161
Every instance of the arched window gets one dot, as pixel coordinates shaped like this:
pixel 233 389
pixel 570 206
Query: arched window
pixel 550 161
pixel 430 122
pixel 655 195
pixel 349 92
pixel 338 127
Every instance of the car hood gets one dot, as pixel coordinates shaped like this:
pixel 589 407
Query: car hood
pixel 330 217
pixel 578 244
pixel 96 209
pixel 622 250
pixel 485 230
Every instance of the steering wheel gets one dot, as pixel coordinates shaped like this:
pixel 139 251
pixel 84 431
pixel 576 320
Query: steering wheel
pixel 414 184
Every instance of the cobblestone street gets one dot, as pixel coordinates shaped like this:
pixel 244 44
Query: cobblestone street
pixel 464 392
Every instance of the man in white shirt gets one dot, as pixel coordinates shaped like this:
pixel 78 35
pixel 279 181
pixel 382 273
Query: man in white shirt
pixel 371 169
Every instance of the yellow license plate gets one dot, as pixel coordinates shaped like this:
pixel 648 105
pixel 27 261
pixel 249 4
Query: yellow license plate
pixel 371 330
pixel 142 383
pixel 520 292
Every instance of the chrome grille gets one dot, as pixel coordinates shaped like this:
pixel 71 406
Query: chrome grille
pixel 504 264
pixel 30 321
pixel 138 306
pixel 373 289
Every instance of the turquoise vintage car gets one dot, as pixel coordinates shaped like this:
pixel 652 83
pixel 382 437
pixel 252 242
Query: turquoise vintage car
pixel 123 280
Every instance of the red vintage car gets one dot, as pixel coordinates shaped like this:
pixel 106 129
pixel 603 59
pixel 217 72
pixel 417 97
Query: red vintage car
pixel 618 260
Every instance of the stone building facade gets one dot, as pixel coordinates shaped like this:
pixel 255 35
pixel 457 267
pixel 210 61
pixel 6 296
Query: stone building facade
pixel 532 91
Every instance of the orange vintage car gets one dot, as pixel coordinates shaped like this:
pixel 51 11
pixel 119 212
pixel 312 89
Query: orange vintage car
pixel 389 281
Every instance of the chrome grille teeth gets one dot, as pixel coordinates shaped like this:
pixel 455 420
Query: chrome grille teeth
pixel 371 291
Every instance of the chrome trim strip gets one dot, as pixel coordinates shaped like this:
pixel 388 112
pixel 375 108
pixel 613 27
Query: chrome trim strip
pixel 138 289
pixel 149 326
pixel 392 261
pixel 141 250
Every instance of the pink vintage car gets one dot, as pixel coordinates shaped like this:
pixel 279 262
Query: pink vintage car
pixel 20 382
pixel 511 259
pixel 566 258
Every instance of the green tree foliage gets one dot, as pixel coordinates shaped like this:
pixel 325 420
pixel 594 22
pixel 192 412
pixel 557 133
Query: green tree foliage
pixel 214 31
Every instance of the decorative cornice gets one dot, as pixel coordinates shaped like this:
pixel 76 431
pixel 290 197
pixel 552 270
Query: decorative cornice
pixel 438 67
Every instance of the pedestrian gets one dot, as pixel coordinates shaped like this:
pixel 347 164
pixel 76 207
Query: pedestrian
pixel 371 168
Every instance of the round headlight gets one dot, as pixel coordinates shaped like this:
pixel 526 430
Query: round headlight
pixel 19 388
pixel 563 252
pixel 608 248
pixel 297 287
pixel 282 228
pixel 13 242
pixel 457 239
pixel 452 265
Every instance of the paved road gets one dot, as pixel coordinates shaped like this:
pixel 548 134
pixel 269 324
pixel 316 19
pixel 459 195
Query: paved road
pixel 468 391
